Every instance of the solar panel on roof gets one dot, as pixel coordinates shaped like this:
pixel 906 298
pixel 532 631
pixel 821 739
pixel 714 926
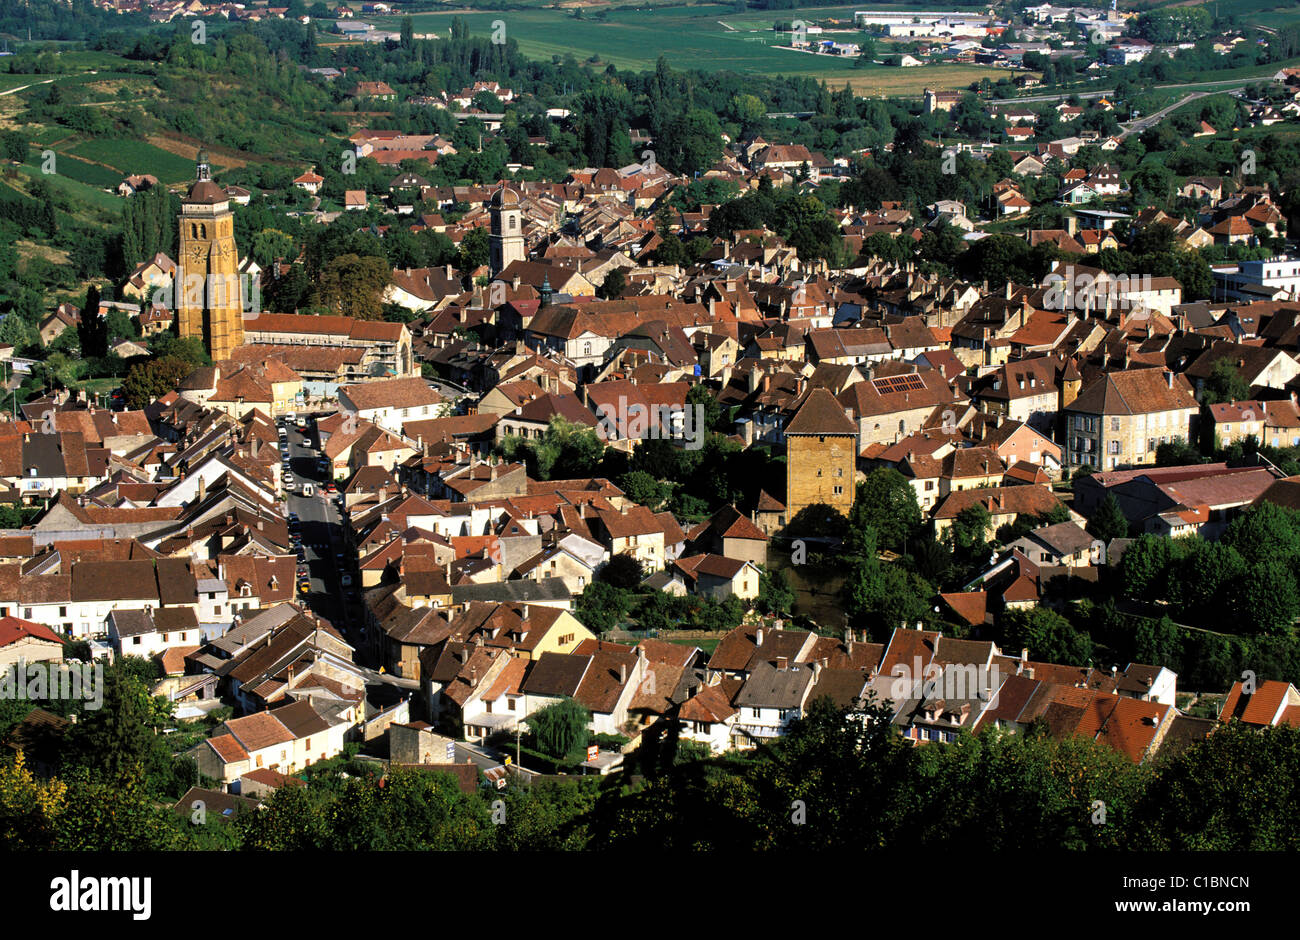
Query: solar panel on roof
pixel 911 382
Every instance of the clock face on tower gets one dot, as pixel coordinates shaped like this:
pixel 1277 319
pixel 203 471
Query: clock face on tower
pixel 196 252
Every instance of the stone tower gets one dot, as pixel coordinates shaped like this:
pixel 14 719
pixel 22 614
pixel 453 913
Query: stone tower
pixel 506 238
pixel 210 299
pixel 821 455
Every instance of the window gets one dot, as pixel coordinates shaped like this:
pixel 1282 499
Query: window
pixel 63 611
pixel 510 704
pixel 838 490
pixel 839 471
pixel 135 641
pixel 1114 424
pixel 309 744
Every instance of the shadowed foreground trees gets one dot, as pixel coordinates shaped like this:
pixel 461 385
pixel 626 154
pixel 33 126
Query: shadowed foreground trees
pixel 833 781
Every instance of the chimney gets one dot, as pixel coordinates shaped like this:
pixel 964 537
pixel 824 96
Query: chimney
pixel 622 673
pixel 1169 379
pixel 758 637
pixel 782 663
pixel 1008 289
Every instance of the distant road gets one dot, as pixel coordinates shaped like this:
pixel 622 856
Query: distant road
pixel 12 91
pixel 1235 82
pixel 1151 120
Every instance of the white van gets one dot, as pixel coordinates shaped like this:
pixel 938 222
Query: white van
pixel 306 489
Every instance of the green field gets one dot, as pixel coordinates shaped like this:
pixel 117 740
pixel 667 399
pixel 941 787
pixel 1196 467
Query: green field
pixel 90 203
pixel 92 174
pixel 708 37
pixel 135 157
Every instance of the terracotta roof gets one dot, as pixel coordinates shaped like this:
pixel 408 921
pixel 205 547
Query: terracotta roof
pixel 821 414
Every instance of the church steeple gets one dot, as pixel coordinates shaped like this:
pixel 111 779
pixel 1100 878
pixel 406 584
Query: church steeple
pixel 211 303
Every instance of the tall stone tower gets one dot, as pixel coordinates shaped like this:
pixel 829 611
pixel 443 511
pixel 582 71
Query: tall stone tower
pixel 506 239
pixel 821 455
pixel 209 296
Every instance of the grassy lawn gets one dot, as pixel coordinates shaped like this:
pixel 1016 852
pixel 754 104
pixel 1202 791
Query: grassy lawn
pixel 707 645
pixel 97 386
pixel 709 37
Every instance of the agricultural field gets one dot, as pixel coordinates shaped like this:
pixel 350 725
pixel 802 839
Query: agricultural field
pixel 709 37
pixel 137 156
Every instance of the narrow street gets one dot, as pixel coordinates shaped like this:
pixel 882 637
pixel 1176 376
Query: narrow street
pixel 321 527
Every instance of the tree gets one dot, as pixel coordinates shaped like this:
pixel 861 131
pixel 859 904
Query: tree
pixel 641 488
pixel 353 286
pixel 1144 567
pixel 1109 522
pixel 1176 453
pixel 148 381
pixel 29 808
pixel 474 250
pixel 775 595
pixel 623 571
pixel 271 245
pixel 701 399
pixel 560 730
pixel 1047 635
pixel 1265 532
pixel 115 739
pixel 1189 806
pixel 1265 600
pixel 601 606
pixel 13 146
pixel 970 529
pixel 886 502
pixel 92 331
pixel 1225 384
pixel 613 286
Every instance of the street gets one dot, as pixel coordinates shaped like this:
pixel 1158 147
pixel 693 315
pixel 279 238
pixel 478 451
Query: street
pixel 322 535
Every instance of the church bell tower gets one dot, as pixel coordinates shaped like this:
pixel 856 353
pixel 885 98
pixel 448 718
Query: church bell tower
pixel 210 300
pixel 506 235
